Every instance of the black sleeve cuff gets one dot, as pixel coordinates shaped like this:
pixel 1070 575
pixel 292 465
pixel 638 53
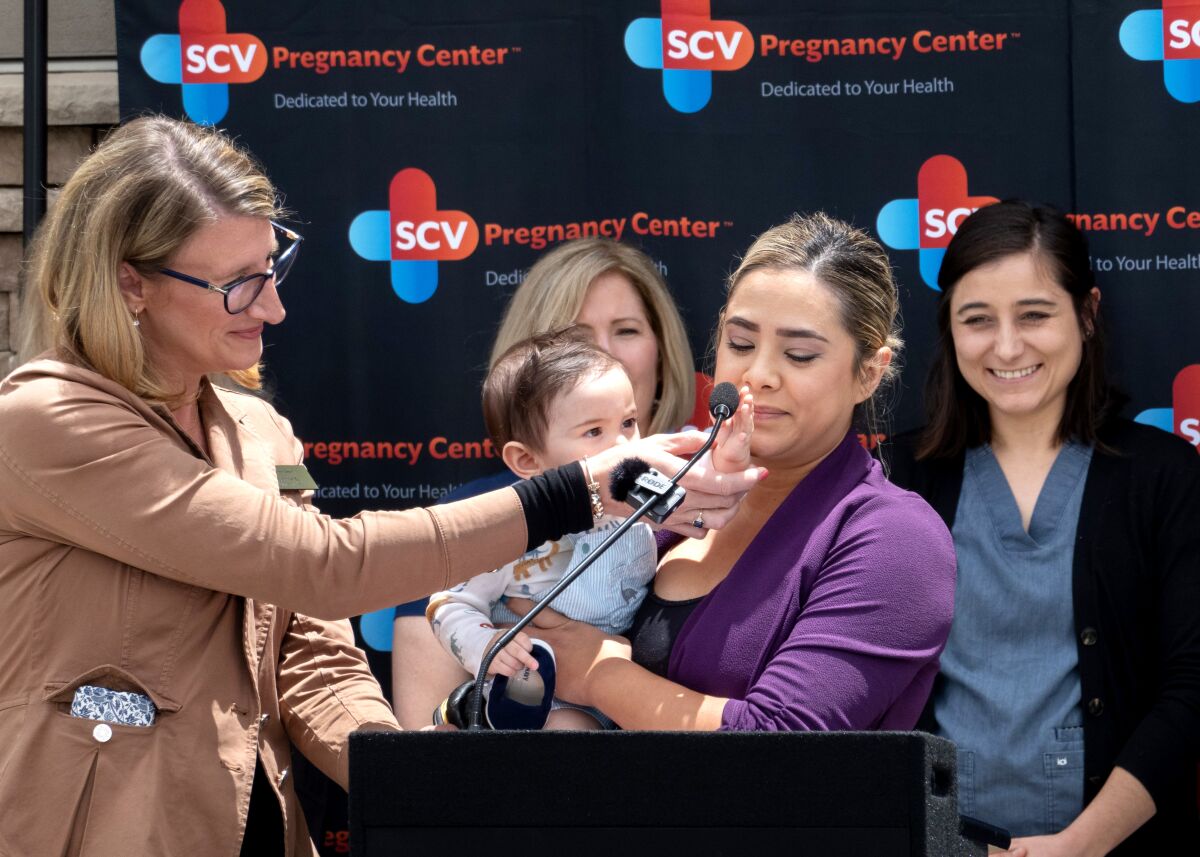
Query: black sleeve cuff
pixel 555 503
pixel 1161 756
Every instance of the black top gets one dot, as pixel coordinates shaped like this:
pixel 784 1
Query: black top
pixel 654 630
pixel 1136 596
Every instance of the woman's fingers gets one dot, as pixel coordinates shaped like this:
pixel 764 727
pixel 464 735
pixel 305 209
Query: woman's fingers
pixel 705 479
pixel 667 454
pixel 712 496
pixel 682 443
pixel 717 515
pixel 732 450
pixel 717 508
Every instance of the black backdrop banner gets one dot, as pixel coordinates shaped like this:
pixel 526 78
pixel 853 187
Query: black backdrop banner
pixel 432 151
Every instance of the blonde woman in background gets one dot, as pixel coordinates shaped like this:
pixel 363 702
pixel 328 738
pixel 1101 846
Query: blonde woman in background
pixel 614 291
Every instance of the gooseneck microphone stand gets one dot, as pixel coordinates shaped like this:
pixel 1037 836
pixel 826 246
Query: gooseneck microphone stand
pixel 721 411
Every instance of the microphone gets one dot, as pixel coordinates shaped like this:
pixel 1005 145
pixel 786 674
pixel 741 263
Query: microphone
pixel 636 482
pixel 632 481
pixel 723 401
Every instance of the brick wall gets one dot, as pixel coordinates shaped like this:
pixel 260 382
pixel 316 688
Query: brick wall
pixel 82 106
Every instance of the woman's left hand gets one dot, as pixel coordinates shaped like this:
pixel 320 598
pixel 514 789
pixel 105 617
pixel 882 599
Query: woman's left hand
pixel 1122 806
pixel 578 649
pixel 732 450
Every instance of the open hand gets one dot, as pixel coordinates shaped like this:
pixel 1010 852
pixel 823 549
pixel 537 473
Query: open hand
pixel 731 453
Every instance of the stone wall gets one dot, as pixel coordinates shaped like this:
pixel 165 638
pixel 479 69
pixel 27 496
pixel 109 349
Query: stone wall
pixel 77 28
pixel 82 106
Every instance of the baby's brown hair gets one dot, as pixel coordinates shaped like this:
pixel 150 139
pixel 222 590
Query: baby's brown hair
pixel 529 376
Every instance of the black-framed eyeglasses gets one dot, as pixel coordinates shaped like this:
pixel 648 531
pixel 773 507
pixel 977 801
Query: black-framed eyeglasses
pixel 243 291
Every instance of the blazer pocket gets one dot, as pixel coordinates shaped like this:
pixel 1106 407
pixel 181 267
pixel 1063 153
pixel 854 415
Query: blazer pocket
pixel 62 769
pixel 111 677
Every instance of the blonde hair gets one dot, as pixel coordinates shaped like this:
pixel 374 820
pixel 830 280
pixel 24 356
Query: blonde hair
pixel 854 267
pixel 552 295
pixel 137 198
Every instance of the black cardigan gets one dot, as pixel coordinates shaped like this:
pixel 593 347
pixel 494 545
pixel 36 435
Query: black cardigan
pixel 1136 596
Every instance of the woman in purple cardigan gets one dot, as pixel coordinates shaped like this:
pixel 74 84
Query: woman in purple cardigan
pixel 825 603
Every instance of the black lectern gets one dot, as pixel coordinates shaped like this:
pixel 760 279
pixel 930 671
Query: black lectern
pixel 661 793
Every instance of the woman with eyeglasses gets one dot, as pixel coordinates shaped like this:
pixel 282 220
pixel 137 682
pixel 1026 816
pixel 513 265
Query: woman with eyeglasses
pixel 174 606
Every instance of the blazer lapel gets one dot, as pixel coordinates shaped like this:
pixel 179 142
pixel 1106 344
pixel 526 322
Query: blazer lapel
pixel 233 444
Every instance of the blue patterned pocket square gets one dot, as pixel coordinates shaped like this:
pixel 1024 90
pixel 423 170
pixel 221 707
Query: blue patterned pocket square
pixel 113 706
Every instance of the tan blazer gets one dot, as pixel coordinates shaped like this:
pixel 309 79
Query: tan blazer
pixel 130 559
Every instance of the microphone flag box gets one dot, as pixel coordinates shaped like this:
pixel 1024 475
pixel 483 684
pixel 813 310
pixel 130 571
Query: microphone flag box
pixel 654 484
pixel 654 481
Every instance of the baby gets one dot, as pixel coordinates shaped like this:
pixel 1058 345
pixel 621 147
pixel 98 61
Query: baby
pixel 548 401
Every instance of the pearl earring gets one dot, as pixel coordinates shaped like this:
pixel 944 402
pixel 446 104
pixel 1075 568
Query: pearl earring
pixel 136 323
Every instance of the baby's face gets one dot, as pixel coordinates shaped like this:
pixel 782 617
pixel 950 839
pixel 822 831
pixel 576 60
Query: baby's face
pixel 598 413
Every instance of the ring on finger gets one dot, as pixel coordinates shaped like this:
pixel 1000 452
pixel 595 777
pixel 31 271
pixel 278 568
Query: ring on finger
pixel 698 522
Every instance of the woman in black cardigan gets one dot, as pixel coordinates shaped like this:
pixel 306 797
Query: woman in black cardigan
pixel 1071 682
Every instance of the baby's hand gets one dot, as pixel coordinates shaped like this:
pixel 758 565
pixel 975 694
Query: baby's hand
pixel 514 657
pixel 732 450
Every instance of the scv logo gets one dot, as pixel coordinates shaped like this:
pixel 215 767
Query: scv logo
pixel 927 223
pixel 413 235
pixel 688 46
pixel 1172 35
pixel 1184 418
pixel 205 59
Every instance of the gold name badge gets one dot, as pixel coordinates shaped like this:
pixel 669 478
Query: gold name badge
pixel 294 477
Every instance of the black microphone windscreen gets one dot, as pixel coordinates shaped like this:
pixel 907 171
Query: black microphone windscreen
pixel 724 396
pixel 624 476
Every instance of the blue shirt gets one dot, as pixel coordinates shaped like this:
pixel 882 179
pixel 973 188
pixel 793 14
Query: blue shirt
pixel 1010 694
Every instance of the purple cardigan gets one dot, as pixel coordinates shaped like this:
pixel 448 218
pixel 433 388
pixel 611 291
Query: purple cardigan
pixel 835 615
